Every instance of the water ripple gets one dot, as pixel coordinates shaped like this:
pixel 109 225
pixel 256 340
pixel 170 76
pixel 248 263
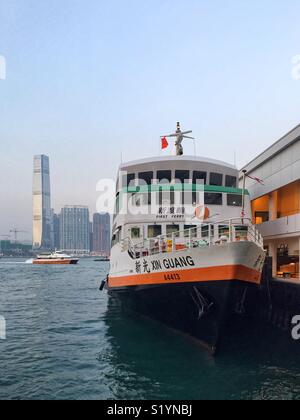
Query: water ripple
pixel 65 340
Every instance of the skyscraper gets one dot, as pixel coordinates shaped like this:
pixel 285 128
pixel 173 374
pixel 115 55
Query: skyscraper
pixel 91 237
pixel 75 230
pixel 41 203
pixel 56 230
pixel 101 233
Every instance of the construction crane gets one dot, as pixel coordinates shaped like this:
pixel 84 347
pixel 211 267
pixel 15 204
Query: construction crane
pixel 16 232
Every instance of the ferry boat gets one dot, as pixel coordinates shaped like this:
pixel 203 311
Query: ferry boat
pixel 55 258
pixel 184 249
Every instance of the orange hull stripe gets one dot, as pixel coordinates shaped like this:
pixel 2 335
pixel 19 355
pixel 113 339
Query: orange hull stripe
pixel 51 262
pixel 222 273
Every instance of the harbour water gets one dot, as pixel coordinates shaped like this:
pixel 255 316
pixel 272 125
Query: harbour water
pixel 66 340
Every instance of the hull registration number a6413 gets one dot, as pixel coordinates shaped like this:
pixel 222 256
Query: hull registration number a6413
pixel 172 277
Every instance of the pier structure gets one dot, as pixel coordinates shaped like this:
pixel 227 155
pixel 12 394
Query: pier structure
pixel 273 181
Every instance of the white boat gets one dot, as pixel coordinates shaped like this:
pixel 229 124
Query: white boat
pixel 56 257
pixel 184 249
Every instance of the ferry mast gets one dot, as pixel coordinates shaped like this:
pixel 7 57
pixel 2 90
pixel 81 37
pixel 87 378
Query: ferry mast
pixel 180 136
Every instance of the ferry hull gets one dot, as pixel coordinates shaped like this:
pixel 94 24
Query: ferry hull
pixel 197 300
pixel 71 262
pixel 198 310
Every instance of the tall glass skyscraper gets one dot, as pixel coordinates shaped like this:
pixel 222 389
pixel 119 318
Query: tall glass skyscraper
pixel 41 203
pixel 75 230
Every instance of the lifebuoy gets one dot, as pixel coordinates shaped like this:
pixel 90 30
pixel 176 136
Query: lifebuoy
pixel 202 213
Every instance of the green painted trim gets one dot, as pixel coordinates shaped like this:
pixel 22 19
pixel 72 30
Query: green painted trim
pixel 187 187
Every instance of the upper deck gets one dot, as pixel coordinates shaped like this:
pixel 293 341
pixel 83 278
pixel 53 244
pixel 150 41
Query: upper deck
pixel 186 160
pixel 176 188
pixel 177 169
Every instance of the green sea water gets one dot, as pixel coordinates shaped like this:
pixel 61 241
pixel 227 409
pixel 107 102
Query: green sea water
pixel 67 340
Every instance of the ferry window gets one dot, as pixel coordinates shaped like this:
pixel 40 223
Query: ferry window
pixel 172 229
pixel 141 199
pixel 145 177
pixel 188 197
pixel 182 177
pixel 154 231
pixel 205 231
pixel 196 199
pixel 116 238
pixel 130 180
pixel 223 230
pixel 164 177
pixel 213 199
pixel 216 179
pixel 166 198
pixel 135 233
pixel 199 177
pixel 155 197
pixel 231 181
pixel 118 203
pixel 193 229
pixel 147 199
pixel 136 200
pixel 235 200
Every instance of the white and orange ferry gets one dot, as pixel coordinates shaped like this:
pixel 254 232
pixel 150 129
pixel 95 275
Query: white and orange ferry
pixel 184 250
pixel 55 258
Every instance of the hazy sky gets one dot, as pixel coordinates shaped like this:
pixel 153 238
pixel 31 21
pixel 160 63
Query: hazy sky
pixel 89 79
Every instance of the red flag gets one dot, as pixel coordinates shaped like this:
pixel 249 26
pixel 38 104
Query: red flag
pixel 260 181
pixel 164 143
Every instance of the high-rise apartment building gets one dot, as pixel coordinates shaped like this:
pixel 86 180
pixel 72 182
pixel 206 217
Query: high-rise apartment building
pixel 41 203
pixel 101 233
pixel 56 230
pixel 75 230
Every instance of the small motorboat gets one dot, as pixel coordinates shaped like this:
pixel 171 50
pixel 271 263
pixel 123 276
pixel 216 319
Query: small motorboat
pixel 102 259
pixel 55 258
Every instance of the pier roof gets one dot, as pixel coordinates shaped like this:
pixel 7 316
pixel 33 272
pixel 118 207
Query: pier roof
pixel 283 143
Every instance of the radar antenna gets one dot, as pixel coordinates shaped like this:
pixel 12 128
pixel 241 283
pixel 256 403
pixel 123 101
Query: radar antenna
pixel 180 136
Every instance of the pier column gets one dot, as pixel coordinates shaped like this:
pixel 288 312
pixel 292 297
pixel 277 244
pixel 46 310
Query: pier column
pixel 273 206
pixel 273 254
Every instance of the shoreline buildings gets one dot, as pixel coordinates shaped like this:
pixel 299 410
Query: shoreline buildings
pixel 75 230
pixel 56 230
pixel 276 202
pixel 42 230
pixel 101 234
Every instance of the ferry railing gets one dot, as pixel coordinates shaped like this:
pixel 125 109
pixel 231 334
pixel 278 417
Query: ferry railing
pixel 202 235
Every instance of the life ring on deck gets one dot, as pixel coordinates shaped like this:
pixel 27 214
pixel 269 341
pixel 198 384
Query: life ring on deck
pixel 202 213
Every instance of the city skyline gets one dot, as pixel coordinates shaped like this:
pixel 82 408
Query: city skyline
pixel 48 224
pixel 86 93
